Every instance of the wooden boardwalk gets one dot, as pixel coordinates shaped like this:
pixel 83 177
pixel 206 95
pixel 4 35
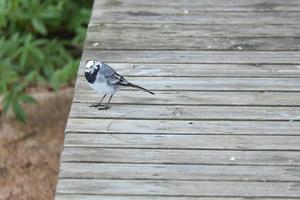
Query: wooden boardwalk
pixel 225 120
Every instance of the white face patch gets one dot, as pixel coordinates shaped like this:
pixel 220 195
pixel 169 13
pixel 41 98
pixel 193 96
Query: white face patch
pixel 89 64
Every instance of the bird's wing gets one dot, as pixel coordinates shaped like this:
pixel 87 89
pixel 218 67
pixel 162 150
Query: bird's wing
pixel 111 75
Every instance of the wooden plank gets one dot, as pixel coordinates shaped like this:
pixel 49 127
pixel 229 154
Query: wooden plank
pixel 224 123
pixel 167 156
pixel 159 141
pixel 193 43
pixel 180 188
pixel 178 172
pixel 182 127
pixel 208 84
pixel 197 6
pixel 173 57
pixel 139 197
pixel 195 98
pixel 123 31
pixel 155 112
pixel 169 15
pixel 192 37
pixel 203 70
pixel 164 31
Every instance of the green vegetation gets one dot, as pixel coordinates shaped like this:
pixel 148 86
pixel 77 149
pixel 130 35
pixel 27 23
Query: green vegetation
pixel 40 45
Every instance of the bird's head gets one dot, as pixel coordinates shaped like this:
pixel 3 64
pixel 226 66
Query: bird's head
pixel 92 65
pixel 91 70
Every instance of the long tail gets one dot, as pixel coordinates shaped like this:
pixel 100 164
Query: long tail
pixel 139 87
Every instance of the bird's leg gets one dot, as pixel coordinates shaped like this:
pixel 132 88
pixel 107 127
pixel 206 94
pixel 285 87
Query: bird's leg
pixel 107 106
pixel 98 104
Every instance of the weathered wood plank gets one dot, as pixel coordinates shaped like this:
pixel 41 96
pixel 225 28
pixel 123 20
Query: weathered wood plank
pixel 139 197
pixel 192 37
pixel 180 188
pixel 172 57
pixel 182 172
pixel 182 127
pixel 192 43
pixel 155 112
pixel 164 31
pixel 197 6
pixel 159 141
pixel 167 156
pixel 195 98
pixel 203 70
pixel 169 15
pixel 208 84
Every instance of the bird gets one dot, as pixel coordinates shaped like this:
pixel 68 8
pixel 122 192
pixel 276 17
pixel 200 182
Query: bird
pixel 105 80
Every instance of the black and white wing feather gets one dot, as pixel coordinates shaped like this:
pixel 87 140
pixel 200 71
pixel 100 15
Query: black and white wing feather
pixel 116 79
pixel 111 75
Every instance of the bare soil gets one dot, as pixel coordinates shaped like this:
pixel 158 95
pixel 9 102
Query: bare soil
pixel 29 153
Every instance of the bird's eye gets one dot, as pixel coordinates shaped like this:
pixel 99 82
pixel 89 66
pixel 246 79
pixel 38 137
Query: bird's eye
pixel 98 65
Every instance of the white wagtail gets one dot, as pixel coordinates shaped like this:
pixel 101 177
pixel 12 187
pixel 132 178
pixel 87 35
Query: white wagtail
pixel 105 80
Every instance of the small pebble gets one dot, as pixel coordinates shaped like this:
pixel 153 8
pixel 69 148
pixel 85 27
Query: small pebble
pixel 232 158
pixel 186 11
pixel 95 44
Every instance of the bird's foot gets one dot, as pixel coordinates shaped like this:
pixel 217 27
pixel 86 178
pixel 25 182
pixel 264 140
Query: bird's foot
pixel 96 105
pixel 104 108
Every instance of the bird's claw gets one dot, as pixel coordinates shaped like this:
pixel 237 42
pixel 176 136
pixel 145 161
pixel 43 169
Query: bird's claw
pixel 96 105
pixel 104 108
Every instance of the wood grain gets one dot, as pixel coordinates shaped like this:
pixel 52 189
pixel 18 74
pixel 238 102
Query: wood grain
pixel 168 15
pixel 193 37
pixel 154 112
pixel 197 6
pixel 183 172
pixel 207 84
pixel 195 98
pixel 182 127
pixel 180 188
pixel 173 57
pixel 193 43
pixel 158 141
pixel 203 70
pixel 157 197
pixel 173 156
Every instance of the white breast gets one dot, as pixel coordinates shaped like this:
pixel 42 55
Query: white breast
pixel 104 88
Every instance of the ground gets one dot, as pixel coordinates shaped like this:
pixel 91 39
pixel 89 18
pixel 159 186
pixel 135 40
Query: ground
pixel 29 153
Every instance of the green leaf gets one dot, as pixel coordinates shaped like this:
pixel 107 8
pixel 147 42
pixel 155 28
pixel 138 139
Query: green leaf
pixel 7 102
pixel 19 111
pixel 23 58
pixel 37 53
pixel 3 88
pixel 31 76
pixel 28 99
pixel 39 26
